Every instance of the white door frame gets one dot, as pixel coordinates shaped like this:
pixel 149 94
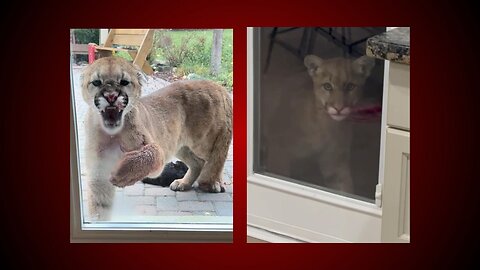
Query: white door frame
pixel 294 211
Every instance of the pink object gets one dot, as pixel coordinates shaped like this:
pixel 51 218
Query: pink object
pixel 91 52
pixel 372 112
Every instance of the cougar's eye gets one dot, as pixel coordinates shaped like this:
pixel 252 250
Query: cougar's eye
pixel 350 87
pixel 124 82
pixel 97 83
pixel 327 86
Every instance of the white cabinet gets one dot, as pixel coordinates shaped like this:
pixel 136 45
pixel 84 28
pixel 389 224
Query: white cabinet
pixel 398 108
pixel 396 185
pixel 396 188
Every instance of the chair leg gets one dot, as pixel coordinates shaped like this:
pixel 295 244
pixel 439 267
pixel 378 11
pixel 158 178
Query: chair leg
pixel 307 43
pixel 311 42
pixel 304 43
pixel 144 49
pixel 270 47
pixel 350 46
pixel 147 68
pixel 343 41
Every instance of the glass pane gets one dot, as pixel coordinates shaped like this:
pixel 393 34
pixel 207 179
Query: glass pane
pixel 177 55
pixel 318 104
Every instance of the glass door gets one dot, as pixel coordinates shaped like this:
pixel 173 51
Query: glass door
pixel 318 110
pixel 315 116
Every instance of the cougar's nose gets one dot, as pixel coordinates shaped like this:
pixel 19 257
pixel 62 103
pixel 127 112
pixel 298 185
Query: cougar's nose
pixel 338 107
pixel 111 96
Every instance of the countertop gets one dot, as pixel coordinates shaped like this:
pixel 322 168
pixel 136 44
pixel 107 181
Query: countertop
pixel 393 45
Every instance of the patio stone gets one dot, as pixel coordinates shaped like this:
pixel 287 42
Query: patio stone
pixel 159 191
pixel 224 208
pixel 214 197
pixel 136 189
pixel 167 203
pixel 189 195
pixel 195 206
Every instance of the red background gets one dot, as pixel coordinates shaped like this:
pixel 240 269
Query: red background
pixel 34 122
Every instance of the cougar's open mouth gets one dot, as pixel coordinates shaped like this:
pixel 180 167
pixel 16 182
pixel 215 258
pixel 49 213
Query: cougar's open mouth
pixel 111 116
pixel 111 106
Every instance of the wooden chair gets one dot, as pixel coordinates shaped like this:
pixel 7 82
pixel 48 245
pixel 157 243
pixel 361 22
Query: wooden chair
pixel 138 41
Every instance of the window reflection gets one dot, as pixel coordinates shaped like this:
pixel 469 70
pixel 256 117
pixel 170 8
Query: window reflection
pixel 318 109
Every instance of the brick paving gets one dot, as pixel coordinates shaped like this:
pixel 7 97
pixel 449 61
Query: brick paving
pixel 148 200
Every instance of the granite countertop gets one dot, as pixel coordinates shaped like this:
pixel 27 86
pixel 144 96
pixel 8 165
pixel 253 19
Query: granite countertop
pixel 393 45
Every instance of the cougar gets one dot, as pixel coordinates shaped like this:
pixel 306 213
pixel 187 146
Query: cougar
pixel 130 137
pixel 312 122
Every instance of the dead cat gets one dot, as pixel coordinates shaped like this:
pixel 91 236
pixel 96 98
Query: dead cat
pixel 171 172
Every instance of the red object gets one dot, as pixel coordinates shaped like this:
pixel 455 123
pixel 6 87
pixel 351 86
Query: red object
pixel 371 112
pixel 91 52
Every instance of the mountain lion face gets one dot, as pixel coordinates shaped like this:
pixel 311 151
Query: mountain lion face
pixel 112 86
pixel 338 83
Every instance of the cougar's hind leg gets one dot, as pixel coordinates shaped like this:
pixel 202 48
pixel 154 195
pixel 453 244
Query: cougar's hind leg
pixel 210 178
pixel 195 165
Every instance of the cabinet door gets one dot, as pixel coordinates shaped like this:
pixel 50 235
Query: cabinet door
pixel 396 192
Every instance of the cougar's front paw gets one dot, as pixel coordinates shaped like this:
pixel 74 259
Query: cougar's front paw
pixel 179 185
pixel 213 187
pixel 122 182
pixel 129 169
pixel 124 176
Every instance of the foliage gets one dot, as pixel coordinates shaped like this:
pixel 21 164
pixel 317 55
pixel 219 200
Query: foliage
pixel 85 36
pixel 174 54
pixel 124 55
pixel 189 51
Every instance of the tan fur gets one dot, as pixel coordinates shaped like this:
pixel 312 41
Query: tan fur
pixel 313 123
pixel 191 120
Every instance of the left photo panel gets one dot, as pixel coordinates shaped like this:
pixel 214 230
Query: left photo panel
pixel 151 135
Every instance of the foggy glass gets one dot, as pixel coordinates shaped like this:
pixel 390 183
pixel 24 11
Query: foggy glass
pixel 332 146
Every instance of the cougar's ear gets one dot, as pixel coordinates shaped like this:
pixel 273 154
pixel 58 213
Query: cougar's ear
pixel 141 76
pixel 312 63
pixel 364 65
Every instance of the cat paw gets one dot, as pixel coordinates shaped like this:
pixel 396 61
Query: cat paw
pixel 212 187
pixel 179 185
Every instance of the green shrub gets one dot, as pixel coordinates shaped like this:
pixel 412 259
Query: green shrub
pixel 198 52
pixel 174 53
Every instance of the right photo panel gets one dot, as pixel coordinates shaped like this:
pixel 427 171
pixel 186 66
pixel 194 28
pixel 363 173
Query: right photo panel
pixel 319 135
